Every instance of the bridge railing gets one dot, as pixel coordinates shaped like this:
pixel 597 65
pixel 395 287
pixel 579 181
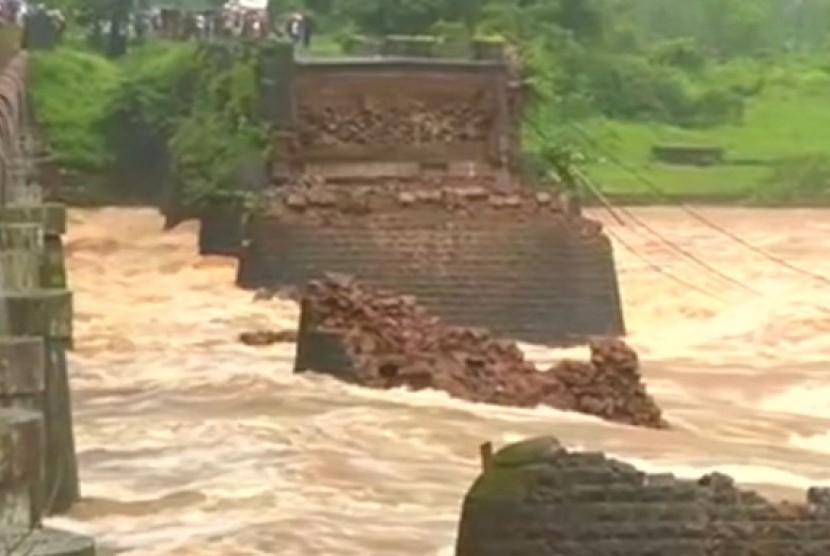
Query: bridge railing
pixel 38 467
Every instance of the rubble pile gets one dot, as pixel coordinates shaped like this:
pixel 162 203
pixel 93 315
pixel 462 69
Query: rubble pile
pixel 404 123
pixel 394 342
pixel 723 492
pixel 267 337
pixel 739 518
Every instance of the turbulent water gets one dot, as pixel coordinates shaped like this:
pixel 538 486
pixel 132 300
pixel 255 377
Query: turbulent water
pixel 190 443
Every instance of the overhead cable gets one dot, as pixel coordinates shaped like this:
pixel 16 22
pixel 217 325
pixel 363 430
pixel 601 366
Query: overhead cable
pixel 699 217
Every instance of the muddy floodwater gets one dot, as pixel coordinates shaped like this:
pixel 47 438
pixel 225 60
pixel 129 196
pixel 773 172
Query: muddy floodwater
pixel 193 444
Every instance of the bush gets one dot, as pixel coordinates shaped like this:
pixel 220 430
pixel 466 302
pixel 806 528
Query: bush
pixel 158 86
pixel 804 178
pixel 628 87
pixel 71 91
pixel 683 54
pixel 206 151
pixel 180 107
pixel 716 106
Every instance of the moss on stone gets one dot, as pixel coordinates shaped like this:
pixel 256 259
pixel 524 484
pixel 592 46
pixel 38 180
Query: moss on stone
pixel 527 452
pixel 515 469
pixel 510 483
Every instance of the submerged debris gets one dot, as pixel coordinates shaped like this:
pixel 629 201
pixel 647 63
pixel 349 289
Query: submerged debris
pixel 393 342
pixel 268 337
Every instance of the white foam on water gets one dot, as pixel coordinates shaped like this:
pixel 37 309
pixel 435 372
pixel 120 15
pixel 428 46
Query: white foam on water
pixel 815 442
pixel 806 399
pixel 192 444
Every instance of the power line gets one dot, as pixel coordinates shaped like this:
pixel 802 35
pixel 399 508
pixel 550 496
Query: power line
pixel 672 245
pixel 697 216
pixel 601 198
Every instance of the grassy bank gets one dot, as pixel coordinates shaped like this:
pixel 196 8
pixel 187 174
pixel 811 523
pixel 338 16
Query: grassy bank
pixel 777 155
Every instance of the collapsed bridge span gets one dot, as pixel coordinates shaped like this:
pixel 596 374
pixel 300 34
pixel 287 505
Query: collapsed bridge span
pixel 406 171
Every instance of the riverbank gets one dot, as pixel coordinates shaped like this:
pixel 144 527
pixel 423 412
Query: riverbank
pixel 777 155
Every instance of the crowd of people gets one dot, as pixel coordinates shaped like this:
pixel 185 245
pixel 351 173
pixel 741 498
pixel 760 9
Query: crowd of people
pixel 17 11
pixel 228 23
pixel 299 27
pixel 231 22
pixel 42 26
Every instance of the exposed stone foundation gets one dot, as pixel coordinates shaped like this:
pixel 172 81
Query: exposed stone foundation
pixel 535 498
pixel 525 265
pixel 476 197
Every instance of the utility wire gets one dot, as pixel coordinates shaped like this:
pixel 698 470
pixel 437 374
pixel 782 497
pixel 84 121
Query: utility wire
pixel 653 266
pixel 672 245
pixel 697 216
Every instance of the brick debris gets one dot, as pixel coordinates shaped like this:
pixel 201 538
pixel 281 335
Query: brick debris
pixel 394 342
pixel 475 197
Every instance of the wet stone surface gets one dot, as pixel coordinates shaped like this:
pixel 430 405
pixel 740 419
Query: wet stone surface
pixel 551 501
pixel 392 342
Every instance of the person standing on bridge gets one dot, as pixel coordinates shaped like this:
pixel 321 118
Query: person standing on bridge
pixel 307 30
pixel 295 29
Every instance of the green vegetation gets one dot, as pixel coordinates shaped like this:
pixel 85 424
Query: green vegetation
pixel 611 80
pixel 788 122
pixel 71 90
pixel 750 76
pixel 169 113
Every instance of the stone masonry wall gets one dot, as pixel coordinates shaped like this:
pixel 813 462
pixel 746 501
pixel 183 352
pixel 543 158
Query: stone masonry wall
pixel 526 274
pixel 220 231
pixel 537 499
pixel 398 110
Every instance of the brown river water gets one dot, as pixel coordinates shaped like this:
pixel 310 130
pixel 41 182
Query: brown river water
pixel 193 444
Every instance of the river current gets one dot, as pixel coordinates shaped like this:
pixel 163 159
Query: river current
pixel 193 444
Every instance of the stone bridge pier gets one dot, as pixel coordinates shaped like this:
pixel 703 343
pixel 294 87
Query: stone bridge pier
pixel 38 466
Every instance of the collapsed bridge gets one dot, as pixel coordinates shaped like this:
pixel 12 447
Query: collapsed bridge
pixel 405 169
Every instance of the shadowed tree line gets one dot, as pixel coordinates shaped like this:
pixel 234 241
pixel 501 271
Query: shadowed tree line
pixel 695 65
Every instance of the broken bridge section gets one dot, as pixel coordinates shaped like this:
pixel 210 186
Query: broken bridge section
pixel 536 498
pixel 38 466
pixel 406 172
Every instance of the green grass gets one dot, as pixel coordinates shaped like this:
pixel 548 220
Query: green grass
pixel 325 46
pixel 790 118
